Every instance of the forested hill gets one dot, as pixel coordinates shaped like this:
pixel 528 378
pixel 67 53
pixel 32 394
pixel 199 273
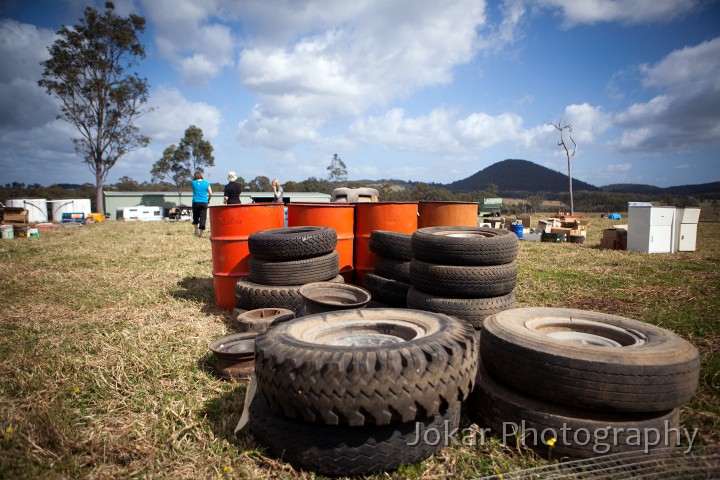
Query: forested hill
pixel 518 176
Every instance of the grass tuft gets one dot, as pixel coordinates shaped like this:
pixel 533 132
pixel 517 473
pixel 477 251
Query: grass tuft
pixel 105 370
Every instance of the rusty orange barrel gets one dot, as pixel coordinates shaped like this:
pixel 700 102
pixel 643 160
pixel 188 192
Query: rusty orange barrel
pixel 340 217
pixel 393 216
pixel 447 214
pixel 230 227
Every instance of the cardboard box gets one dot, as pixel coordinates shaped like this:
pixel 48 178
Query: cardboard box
pixel 607 243
pixel 15 215
pixel 578 233
pixel 525 219
pixel 566 231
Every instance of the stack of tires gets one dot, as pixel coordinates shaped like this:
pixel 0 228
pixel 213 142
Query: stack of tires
pixel 358 391
pixel 580 384
pixel 284 259
pixel 390 280
pixel 467 272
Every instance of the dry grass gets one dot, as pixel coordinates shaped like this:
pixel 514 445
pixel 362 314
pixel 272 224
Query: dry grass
pixel 105 371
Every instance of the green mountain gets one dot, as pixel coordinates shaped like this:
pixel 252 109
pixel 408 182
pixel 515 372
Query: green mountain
pixel 518 176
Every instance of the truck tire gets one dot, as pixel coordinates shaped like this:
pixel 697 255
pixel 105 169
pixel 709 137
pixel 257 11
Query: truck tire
pixel 366 366
pixel 464 245
pixel 393 268
pixel 578 433
pixel 388 291
pixel 590 360
pixel 343 450
pixel 294 272
pixel 472 310
pixel 292 243
pixel 250 295
pixel 391 244
pixel 463 281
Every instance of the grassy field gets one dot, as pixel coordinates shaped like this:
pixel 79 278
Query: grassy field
pixel 105 370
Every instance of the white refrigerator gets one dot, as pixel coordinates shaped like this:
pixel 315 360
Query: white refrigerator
pixel 650 229
pixel 686 223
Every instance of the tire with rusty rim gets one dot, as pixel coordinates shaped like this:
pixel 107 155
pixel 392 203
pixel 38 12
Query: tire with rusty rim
pixel 472 310
pixel 464 245
pixel 338 450
pixel 589 359
pixel 366 366
pixel 577 433
pixel 292 243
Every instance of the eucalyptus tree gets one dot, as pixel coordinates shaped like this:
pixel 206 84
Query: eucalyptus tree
pixel 89 73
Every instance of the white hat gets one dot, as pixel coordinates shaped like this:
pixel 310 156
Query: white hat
pixel 231 176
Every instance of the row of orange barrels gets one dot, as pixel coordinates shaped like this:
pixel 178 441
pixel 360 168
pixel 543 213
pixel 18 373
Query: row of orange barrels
pixel 231 225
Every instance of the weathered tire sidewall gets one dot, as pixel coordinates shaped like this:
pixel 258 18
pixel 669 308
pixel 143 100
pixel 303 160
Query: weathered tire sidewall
pixel 333 450
pixel 657 375
pixel 299 377
pixel 472 310
pixel 463 281
pixel 500 408
pixel 475 246
pixel 391 244
pixel 294 272
pixel 388 291
pixel 250 295
pixel 292 243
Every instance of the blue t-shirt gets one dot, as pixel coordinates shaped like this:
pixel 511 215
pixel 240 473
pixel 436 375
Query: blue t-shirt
pixel 200 191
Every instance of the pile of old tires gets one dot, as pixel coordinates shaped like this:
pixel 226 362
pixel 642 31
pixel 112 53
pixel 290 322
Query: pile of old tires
pixel 284 259
pixel 357 391
pixel 466 272
pixel 580 384
pixel 389 282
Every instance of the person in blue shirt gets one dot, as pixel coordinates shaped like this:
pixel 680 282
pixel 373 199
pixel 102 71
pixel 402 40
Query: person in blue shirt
pixel 202 193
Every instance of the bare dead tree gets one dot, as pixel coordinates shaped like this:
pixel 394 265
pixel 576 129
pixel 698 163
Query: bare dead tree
pixel 563 127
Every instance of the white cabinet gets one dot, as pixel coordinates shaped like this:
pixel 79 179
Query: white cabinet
pixel 650 229
pixel 686 222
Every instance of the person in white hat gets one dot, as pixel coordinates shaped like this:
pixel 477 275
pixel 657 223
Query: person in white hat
pixel 232 190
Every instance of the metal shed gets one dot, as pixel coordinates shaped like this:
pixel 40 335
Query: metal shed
pixel 116 201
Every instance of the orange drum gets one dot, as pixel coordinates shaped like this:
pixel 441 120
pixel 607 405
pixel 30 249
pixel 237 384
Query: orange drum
pixel 339 216
pixel 393 216
pixel 230 227
pixel 447 214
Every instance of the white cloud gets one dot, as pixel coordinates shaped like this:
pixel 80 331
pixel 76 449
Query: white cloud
pixel 275 131
pixel 587 121
pixel 23 104
pixel 686 112
pixel 191 36
pixel 343 61
pixel 173 114
pixel 442 132
pixel 577 12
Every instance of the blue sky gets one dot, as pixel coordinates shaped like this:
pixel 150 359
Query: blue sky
pixel 422 90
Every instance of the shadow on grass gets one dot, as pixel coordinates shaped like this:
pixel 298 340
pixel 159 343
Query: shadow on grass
pixel 222 413
pixel 202 290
